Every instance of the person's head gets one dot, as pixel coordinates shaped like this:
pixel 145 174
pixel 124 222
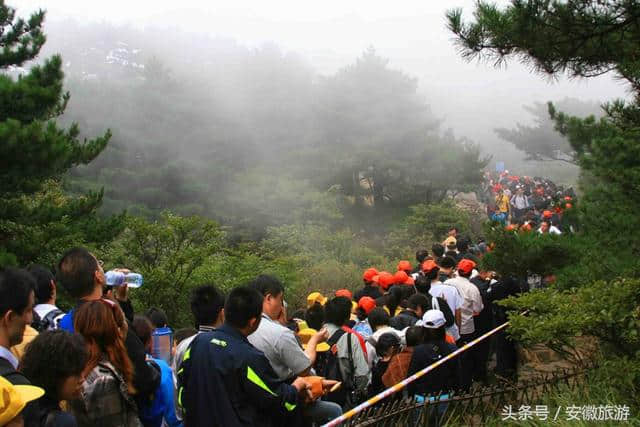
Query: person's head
pixel 446 264
pixel 433 323
pixel 103 325
pixel 368 275
pixel 272 292
pixel 465 267
pixel 143 328
pixel 414 336
pixel 314 316
pixel 423 284
pixel 365 305
pixel 462 245
pixel 405 266
pixel 453 231
pixel 45 290
pixel 16 305
pixel 243 309
pixel 388 344
pixel 158 317
pixel 80 273
pixel 394 298
pixel 207 306
pixel 13 400
pixel 419 303
pixel 421 255
pixel 438 250
pixel 337 311
pixel 378 318
pixel 55 361
pixel 544 226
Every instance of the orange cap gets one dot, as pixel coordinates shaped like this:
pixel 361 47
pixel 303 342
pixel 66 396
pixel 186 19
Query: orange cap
pixel 404 265
pixel 466 266
pixel 367 304
pixel 547 214
pixel 402 277
pixel 429 265
pixel 369 274
pixel 386 279
pixel 568 206
pixel 344 293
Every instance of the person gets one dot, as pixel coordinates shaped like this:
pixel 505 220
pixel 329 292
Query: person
pixel 282 349
pixel 16 308
pixel 519 203
pixel 46 313
pixel 314 316
pixel 421 256
pixel 388 345
pixel 106 397
pixel 228 380
pixel 502 207
pixel 441 380
pixel 316 298
pixel 483 322
pixel 161 409
pixel 438 250
pixel 80 273
pixel 405 266
pixel 452 235
pixel 362 326
pixel 471 306
pixel 547 228
pixel 370 288
pixel 399 362
pixel 379 321
pixel 449 293
pixel 350 352
pixel 157 317
pixel 207 307
pixel 15 398
pixel 446 265
pixel 418 304
pixel 55 361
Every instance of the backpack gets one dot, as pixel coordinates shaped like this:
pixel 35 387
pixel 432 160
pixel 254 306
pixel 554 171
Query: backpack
pixel 48 322
pixel 328 365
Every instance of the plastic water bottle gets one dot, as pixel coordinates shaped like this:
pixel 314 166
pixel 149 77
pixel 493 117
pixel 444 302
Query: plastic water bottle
pixel 117 278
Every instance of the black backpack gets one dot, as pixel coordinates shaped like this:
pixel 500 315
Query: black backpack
pixel 47 322
pixel 328 366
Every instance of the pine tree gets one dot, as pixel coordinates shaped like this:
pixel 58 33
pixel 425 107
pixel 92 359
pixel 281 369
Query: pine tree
pixel 37 220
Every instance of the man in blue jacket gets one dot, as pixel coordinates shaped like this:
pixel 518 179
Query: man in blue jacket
pixel 226 381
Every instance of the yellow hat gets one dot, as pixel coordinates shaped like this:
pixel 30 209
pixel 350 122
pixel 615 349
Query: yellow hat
pixel 354 306
pixel 315 297
pixel 13 399
pixel 306 334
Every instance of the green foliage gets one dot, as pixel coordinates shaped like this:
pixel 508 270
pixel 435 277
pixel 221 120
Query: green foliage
pixel 37 220
pixel 168 253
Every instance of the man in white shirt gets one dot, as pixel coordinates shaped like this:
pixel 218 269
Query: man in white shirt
pixel 471 306
pixel 546 227
pixel 448 292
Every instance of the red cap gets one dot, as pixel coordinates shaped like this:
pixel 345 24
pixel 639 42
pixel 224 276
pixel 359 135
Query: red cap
pixel 344 293
pixel 404 265
pixel 568 206
pixel 429 265
pixel 567 198
pixel 510 227
pixel 367 304
pixel 466 266
pixel 386 279
pixel 402 277
pixel 369 273
pixel 547 214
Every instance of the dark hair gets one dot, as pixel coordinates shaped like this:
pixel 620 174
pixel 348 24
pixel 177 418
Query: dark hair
pixel 394 297
pixel 206 303
pixel 421 255
pixel 243 304
pixel 184 333
pixel 338 310
pixel 450 254
pixel 76 272
pixel 463 274
pixel 414 336
pixel 267 285
pixel 15 287
pixel 52 357
pixel 437 249
pixel 143 328
pixel 419 300
pixel 447 262
pixel 423 284
pixel 314 316
pixel 361 314
pixel 158 317
pixel 434 334
pixel 378 317
pixel 462 245
pixel 386 342
pixel 43 277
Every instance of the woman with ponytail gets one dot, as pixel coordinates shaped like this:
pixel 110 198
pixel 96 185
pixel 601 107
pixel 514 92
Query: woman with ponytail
pixel 107 390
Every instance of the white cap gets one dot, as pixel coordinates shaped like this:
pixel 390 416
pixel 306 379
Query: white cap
pixel 432 319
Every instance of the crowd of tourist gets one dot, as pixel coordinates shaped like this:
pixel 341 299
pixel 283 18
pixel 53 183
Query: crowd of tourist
pixel 249 360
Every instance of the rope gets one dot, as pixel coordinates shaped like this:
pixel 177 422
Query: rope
pixel 402 384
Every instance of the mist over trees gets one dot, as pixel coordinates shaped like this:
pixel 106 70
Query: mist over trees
pixel 255 137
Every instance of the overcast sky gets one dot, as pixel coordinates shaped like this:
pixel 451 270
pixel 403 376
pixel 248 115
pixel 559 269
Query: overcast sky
pixel 472 98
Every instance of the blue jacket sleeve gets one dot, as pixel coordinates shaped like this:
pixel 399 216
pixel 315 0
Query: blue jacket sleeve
pixel 168 392
pixel 262 384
